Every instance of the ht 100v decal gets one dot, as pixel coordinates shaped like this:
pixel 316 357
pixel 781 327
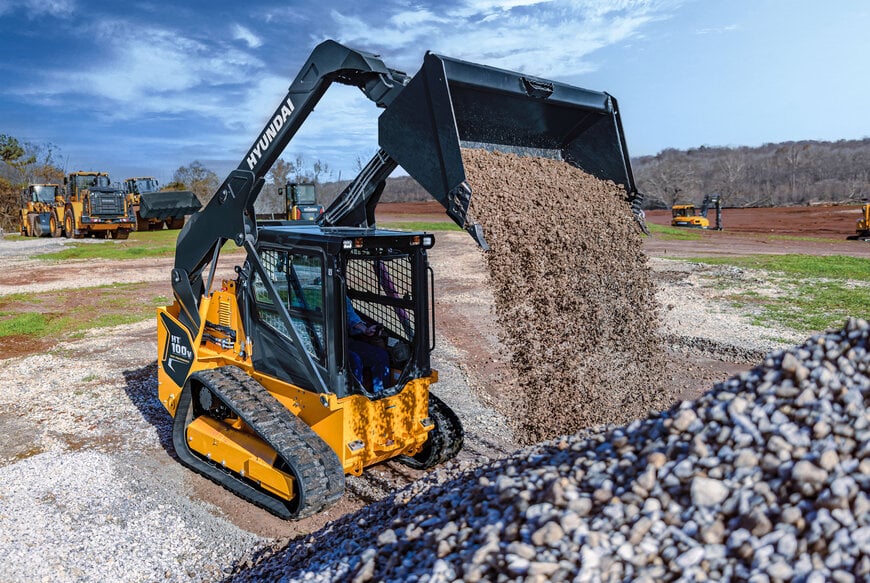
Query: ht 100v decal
pixel 177 353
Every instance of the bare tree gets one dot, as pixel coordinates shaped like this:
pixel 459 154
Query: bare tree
pixel 199 179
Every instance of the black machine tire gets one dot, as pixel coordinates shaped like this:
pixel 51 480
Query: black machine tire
pixel 318 473
pixel 69 224
pixel 142 224
pixel 445 440
pixel 55 230
pixel 175 223
pixel 120 234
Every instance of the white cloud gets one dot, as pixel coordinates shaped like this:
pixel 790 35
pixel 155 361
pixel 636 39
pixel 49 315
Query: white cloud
pixel 541 37
pixel 160 71
pixel 717 30
pixel 244 34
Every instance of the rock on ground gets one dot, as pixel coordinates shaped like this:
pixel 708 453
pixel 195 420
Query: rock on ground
pixel 764 477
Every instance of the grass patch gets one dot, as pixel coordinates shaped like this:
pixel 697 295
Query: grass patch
pixel 815 293
pixel 26 324
pixel 140 244
pixel 810 306
pixel 808 239
pixel 819 266
pixel 667 233
pixel 421 226
pixel 68 314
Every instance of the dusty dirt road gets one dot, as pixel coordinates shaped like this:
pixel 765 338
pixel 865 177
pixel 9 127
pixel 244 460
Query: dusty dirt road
pixel 98 393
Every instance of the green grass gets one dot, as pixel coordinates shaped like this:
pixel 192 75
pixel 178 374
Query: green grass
pixel 809 239
pixel 816 293
pixel 818 266
pixel 140 244
pixel 101 307
pixel 667 233
pixel 26 324
pixel 421 226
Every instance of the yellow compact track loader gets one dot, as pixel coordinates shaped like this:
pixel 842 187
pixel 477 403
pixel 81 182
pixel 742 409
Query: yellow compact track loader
pixel 313 361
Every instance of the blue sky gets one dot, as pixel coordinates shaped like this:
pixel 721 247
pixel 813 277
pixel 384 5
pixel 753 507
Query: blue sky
pixel 141 88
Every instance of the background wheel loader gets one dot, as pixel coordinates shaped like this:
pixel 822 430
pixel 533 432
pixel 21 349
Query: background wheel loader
pixel 92 207
pixel 152 208
pixel 258 371
pixel 42 211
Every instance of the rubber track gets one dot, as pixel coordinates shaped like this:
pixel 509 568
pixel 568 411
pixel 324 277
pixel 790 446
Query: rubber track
pixel 315 466
pixel 445 440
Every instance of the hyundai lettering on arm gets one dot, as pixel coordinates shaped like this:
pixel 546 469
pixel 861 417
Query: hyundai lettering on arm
pixel 269 134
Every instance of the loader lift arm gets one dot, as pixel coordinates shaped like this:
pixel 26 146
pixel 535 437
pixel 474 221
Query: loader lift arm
pixel 229 214
pixel 448 105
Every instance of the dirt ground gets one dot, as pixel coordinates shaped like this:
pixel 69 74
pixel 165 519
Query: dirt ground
pixel 468 355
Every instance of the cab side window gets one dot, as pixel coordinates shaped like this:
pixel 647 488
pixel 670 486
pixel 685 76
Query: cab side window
pixel 298 280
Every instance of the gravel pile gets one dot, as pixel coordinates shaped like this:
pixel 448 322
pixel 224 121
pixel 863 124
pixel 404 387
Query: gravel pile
pixel 763 478
pixel 573 295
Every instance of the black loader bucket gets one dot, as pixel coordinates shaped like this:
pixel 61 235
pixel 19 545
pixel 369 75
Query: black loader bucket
pixel 168 204
pixel 452 104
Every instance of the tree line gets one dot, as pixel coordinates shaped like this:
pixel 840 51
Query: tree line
pixel 782 174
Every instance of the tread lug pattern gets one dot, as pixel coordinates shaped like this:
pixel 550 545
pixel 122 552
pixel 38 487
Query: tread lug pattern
pixel 315 466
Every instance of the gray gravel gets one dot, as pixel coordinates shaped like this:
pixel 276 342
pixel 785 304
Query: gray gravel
pixel 129 525
pixel 763 478
pixel 87 492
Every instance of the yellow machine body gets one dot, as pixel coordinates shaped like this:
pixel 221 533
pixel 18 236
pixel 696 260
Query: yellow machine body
pixel 94 209
pixel 686 215
pixel 862 228
pixel 40 217
pixel 361 431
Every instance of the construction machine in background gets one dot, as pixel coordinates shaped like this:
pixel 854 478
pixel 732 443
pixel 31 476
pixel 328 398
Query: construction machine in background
pixel 92 207
pixel 42 211
pixel 300 199
pixel 269 395
pixel 153 208
pixel 862 228
pixel 687 215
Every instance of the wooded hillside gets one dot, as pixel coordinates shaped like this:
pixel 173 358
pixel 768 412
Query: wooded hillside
pixel 784 174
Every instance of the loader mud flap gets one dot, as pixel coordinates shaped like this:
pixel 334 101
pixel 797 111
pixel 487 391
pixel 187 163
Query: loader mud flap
pixel 445 440
pixel 317 473
pixel 168 204
pixel 452 104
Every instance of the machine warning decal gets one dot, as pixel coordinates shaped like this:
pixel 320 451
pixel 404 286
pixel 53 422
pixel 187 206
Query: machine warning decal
pixel 178 353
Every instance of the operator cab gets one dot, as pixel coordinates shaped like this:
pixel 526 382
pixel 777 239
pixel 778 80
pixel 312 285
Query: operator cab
pixel 45 193
pixel 683 210
pixel 313 276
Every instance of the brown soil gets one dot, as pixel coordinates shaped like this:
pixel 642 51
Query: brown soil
pixel 836 222
pixel 575 303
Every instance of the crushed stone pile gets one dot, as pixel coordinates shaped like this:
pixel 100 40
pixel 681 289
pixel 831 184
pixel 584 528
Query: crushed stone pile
pixel 764 478
pixel 573 295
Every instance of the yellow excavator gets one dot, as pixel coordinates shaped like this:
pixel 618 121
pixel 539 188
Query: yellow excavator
pixel 862 228
pixel 687 215
pixel 313 361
